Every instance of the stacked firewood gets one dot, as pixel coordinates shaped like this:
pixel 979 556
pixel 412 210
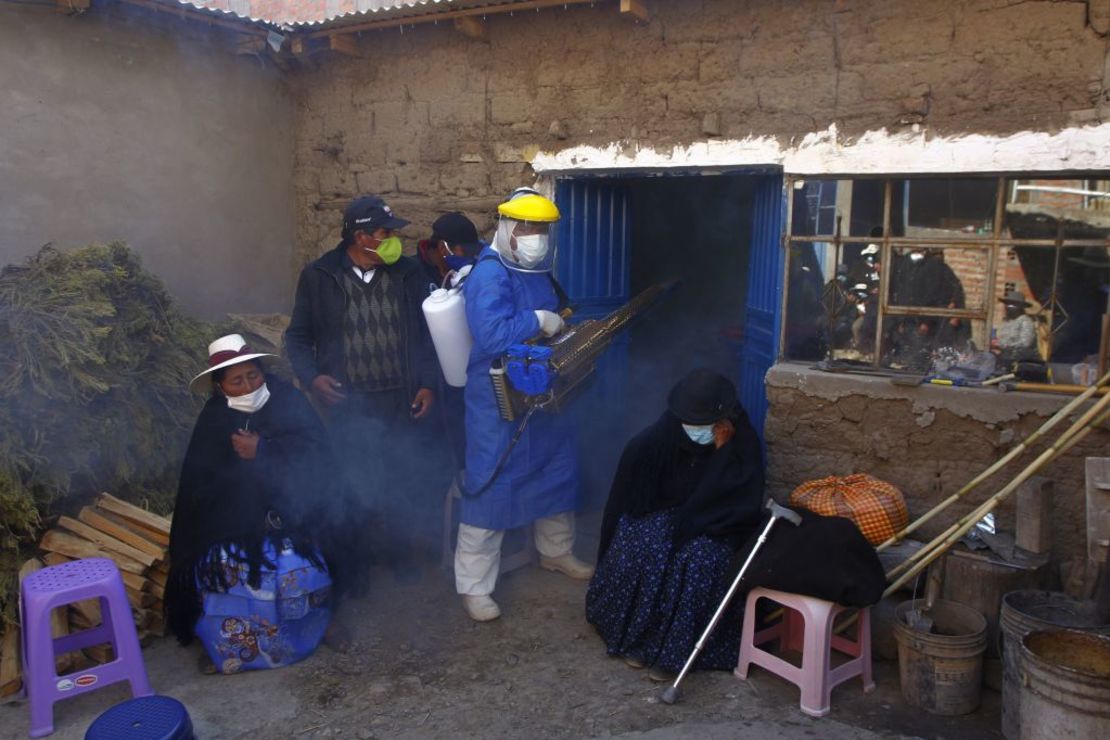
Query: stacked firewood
pixel 136 541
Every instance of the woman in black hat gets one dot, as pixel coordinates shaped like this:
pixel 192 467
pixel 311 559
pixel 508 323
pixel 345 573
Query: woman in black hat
pixel 688 491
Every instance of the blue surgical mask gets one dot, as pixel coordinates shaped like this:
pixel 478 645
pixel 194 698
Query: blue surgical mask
pixel 699 434
pixel 456 262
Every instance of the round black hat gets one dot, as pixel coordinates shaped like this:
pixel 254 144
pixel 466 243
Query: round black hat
pixel 702 397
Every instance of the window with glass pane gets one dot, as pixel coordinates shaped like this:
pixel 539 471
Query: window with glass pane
pixel 1032 289
pixel 818 204
pixel 949 208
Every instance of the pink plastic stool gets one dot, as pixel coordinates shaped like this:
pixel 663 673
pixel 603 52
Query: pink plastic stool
pixel 59 585
pixel 806 626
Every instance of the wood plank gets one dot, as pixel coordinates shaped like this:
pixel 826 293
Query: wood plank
pixel 53 558
pixel 64 543
pixel 105 540
pixel 133 513
pixel 471 27
pixel 99 653
pixel 250 45
pixel 136 582
pixel 636 10
pixel 157 625
pixel 10 676
pixel 519 6
pixel 89 609
pixel 117 527
pixel 158 591
pixel 78 622
pixel 59 617
pixel 140 600
pixel 142 617
pixel 159 577
pixel 344 43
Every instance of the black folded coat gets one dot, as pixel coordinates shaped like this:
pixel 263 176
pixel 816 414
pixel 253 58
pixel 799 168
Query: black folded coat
pixel 825 556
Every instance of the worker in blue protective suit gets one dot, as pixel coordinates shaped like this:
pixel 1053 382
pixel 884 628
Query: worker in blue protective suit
pixel 510 297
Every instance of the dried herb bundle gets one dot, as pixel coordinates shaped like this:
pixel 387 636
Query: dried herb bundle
pixel 94 365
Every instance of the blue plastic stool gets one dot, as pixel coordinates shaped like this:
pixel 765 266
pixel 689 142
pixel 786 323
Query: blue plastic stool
pixel 146 718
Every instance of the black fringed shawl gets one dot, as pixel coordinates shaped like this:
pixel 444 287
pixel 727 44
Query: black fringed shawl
pixel 718 492
pixel 223 500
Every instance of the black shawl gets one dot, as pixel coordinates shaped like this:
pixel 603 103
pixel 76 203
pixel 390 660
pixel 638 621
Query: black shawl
pixel 223 500
pixel 718 492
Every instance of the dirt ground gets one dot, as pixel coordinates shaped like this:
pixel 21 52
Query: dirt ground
pixel 419 668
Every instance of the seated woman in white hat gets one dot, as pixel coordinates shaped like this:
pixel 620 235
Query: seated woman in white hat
pixel 249 569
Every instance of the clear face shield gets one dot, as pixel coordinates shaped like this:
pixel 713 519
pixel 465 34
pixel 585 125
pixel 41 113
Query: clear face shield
pixel 524 246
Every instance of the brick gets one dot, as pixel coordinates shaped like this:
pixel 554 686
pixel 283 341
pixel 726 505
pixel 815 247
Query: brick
pixel 377 181
pixel 464 179
pixel 436 147
pixel 510 108
pixel 417 179
pixel 1098 15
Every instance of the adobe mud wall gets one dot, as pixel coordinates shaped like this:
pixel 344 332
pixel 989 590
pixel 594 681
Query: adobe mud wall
pixel 927 441
pixel 435 120
pixel 122 124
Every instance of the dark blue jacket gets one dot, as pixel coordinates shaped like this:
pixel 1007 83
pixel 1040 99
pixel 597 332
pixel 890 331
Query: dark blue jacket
pixel 314 339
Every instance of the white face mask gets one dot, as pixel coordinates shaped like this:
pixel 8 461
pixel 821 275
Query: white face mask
pixel 531 249
pixel 917 256
pixel 701 434
pixel 250 402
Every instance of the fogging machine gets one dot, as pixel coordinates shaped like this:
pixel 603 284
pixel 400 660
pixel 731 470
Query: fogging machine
pixel 547 373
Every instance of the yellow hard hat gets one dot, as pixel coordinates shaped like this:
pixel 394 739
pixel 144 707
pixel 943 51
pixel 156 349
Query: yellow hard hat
pixel 529 207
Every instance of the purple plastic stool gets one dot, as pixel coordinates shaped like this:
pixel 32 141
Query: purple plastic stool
pixel 59 585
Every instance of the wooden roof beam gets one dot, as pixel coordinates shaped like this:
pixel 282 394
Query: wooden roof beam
pixel 636 10
pixel 211 18
pixel 250 45
pixel 344 43
pixel 471 27
pixel 447 15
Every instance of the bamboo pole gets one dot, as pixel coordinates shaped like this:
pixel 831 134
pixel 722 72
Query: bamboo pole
pixel 1058 448
pixel 1080 424
pixel 998 465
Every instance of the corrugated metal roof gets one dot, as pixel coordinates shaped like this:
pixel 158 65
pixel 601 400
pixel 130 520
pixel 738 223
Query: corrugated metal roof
pixel 317 12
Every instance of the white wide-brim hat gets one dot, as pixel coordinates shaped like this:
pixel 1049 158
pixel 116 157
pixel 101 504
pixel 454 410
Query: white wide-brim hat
pixel 225 352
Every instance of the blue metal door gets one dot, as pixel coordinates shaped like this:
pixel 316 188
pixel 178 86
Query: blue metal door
pixel 764 302
pixel 592 237
pixel 593 266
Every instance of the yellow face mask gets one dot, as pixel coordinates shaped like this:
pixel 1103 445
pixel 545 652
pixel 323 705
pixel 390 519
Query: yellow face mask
pixel 389 249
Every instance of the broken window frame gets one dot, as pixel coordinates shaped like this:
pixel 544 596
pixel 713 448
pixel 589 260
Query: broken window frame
pixel 993 243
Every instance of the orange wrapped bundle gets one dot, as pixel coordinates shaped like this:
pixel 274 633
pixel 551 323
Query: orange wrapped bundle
pixel 876 507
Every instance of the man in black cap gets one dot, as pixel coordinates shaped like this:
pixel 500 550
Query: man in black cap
pixel 454 247
pixel 358 342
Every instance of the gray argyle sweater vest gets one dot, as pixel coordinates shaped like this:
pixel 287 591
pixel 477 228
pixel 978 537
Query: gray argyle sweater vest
pixel 373 332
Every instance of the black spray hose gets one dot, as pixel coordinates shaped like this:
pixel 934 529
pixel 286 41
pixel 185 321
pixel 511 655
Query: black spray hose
pixel 501 461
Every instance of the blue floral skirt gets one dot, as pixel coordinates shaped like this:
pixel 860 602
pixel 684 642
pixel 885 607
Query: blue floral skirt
pixel 652 604
pixel 279 623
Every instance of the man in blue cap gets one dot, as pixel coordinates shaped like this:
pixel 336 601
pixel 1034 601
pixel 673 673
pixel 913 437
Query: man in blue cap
pixel 358 342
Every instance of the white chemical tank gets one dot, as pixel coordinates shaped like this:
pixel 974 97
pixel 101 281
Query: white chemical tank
pixel 445 312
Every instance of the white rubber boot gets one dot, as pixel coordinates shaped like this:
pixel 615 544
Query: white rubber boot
pixel 568 565
pixel 481 608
